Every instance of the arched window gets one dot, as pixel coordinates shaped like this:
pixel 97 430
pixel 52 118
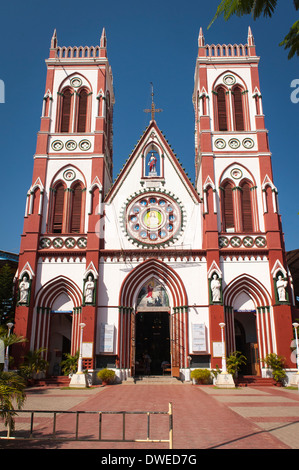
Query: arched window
pixel 222 109
pixel 58 209
pixel 238 109
pixel 247 219
pixel 76 209
pixel 82 111
pixel 228 207
pixel 66 111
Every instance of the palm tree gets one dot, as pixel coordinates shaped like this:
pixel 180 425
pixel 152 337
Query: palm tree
pixel 12 390
pixel 10 339
pixel 256 8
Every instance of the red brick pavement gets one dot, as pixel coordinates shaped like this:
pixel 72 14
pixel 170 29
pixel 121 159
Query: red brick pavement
pixel 199 421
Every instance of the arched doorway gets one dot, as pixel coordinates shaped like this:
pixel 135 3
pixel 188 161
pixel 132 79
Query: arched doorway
pixel 248 321
pixel 153 294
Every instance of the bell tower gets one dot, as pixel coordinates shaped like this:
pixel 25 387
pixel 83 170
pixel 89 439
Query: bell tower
pixel 72 172
pixel 234 176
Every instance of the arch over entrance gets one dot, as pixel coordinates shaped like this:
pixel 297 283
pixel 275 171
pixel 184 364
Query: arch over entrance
pixel 249 321
pixel 56 319
pixel 129 307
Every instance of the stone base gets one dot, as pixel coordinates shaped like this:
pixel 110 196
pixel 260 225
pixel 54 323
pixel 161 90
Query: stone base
pixel 79 380
pixel 225 381
pixel 294 381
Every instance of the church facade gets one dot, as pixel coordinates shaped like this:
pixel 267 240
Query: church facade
pixel 152 265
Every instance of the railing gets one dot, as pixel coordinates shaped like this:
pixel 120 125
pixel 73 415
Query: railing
pixel 78 52
pixel 227 50
pixel 99 438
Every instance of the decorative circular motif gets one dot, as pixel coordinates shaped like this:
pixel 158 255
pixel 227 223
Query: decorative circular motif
pixel 248 242
pixel 57 145
pixel 76 82
pixel 236 173
pixel 260 242
pixel 71 145
pixel 223 242
pixel 220 143
pixel 69 175
pixel 45 243
pixel 234 143
pixel 229 80
pixel 248 143
pixel 57 243
pixel 70 243
pixel 153 219
pixel 84 145
pixel 81 242
pixel 235 241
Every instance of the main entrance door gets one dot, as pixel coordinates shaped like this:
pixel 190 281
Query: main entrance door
pixel 152 342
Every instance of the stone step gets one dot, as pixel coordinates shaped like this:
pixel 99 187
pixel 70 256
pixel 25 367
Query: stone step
pixel 254 380
pixel 54 381
pixel 153 379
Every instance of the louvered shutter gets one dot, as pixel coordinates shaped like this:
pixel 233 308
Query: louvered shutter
pixel 58 209
pixel 66 111
pixel 228 207
pixel 238 109
pixel 82 112
pixel 76 209
pixel 221 104
pixel 246 209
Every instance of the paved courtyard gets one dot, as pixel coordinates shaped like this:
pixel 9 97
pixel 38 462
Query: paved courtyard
pixel 203 417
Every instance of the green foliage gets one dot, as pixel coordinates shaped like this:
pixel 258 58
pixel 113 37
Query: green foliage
pixel 234 362
pixel 201 376
pixel 256 8
pixel 70 363
pixel 277 365
pixel 12 391
pixel 33 363
pixel 106 375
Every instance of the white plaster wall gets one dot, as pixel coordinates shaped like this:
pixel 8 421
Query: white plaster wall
pixel 50 269
pixel 258 269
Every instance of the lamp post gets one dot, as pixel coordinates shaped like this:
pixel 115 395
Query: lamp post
pixel 224 371
pixel 6 359
pixel 80 353
pixel 295 325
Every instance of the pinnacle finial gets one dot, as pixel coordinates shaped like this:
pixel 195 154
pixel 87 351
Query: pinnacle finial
pixel 54 40
pixel 103 42
pixel 201 39
pixel 250 39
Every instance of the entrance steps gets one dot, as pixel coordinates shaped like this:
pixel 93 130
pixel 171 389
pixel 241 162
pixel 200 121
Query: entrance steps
pixel 54 381
pixel 153 380
pixel 254 381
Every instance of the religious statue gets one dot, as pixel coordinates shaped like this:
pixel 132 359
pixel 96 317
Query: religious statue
pixel 88 290
pixel 281 285
pixel 24 290
pixel 152 164
pixel 216 288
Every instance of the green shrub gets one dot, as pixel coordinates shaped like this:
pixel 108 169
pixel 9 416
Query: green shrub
pixel 277 364
pixel 106 375
pixel 201 376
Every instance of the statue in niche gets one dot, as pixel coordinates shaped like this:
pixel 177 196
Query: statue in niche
pixel 281 285
pixel 216 288
pixel 24 287
pixel 152 165
pixel 89 289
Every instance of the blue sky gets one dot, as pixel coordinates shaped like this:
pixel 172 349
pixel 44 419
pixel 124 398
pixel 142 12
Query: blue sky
pixel 147 42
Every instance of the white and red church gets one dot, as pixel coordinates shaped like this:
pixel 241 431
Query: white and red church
pixel 152 264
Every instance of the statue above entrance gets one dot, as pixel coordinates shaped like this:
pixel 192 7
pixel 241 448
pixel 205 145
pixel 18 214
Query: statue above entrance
pixel 152 294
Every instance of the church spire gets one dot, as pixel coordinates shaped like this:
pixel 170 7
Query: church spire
pixel 103 42
pixel 54 40
pixel 250 39
pixel 201 39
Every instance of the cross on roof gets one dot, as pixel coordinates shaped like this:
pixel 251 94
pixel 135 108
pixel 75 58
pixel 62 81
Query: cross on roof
pixel 153 109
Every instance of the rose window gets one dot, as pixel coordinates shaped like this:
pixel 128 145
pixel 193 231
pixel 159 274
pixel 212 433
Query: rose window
pixel 153 219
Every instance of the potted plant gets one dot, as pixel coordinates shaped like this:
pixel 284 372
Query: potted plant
pixel 234 363
pixel 69 365
pixel 277 365
pixel 107 376
pixel 200 376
